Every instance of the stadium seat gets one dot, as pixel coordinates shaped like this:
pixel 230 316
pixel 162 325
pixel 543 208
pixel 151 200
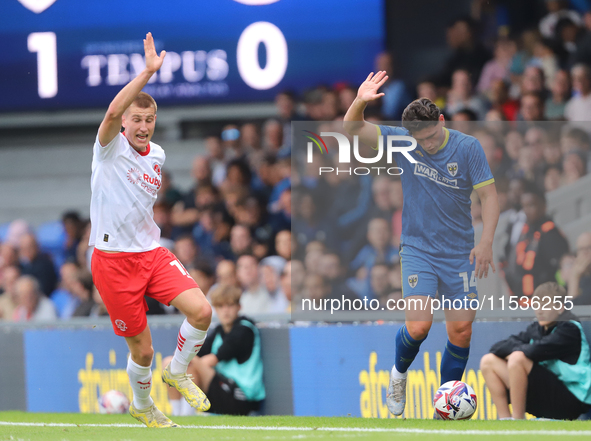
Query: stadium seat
pixel 3 231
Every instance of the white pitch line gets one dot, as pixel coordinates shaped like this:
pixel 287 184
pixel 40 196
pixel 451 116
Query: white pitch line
pixel 330 429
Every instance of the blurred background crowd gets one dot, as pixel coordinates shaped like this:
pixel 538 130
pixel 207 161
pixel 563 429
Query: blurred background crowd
pixel 520 82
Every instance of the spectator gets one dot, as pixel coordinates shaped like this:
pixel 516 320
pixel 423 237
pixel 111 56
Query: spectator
pixel 270 269
pixel 579 280
pixel 82 289
pixel 557 9
pixel 574 167
pixel 331 268
pixel 98 309
pixel 552 178
pixel 578 108
pixel 168 192
pixel 185 250
pixel 536 257
pixel 545 58
pixel 229 367
pixel 516 217
pixel 225 273
pixel 73 227
pixel 283 244
pixel 9 297
pixel 427 89
pixel 380 283
pixel 240 241
pixel 545 368
pixel 32 305
pixel 64 298
pixel 497 69
pixel 532 107
pixel 37 264
pixel 16 230
pixel 255 298
pixel 467 53
pixel 272 135
pixel 8 257
pixel 286 108
pixel 396 96
pixel 231 142
pixel 556 103
pixel 216 158
pixel 203 274
pixel 533 81
pixel 460 96
pixel 498 95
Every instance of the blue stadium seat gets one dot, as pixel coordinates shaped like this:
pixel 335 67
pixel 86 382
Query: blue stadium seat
pixel 51 237
pixel 4 231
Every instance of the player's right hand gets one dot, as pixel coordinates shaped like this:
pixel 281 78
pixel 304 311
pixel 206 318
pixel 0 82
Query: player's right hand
pixel 368 91
pixel 153 61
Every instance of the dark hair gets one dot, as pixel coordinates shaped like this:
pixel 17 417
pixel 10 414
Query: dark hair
pixel 578 134
pixel 469 113
pixel 72 216
pixel 419 114
pixel 244 169
pixel 532 188
pixel 536 95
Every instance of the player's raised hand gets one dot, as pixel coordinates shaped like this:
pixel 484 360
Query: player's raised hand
pixel 483 255
pixel 368 91
pixel 153 61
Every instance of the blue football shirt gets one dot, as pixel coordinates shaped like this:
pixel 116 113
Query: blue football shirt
pixel 436 214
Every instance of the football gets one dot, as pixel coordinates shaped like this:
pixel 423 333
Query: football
pixel 113 402
pixel 454 400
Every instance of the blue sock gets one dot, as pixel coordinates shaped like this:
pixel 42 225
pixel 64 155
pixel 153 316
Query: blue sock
pixel 407 349
pixel 453 362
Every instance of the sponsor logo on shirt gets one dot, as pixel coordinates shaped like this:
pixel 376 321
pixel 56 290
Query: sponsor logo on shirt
pixel 432 174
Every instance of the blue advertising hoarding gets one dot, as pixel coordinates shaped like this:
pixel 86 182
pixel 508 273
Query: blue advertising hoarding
pixel 73 54
pixel 345 370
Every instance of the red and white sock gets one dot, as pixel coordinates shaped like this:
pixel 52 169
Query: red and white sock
pixel 189 343
pixel 140 378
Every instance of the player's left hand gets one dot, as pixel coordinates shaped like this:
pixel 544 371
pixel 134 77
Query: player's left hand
pixel 484 257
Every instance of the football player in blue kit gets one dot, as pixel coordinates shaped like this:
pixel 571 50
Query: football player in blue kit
pixel 437 251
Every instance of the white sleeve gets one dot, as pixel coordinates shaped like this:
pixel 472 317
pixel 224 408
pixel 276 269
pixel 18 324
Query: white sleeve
pixel 110 151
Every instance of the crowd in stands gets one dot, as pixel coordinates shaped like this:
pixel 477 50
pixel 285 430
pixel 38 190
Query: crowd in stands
pixel 524 93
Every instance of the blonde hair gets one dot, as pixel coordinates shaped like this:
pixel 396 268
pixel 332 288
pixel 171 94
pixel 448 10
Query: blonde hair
pixel 225 295
pixel 144 100
pixel 551 289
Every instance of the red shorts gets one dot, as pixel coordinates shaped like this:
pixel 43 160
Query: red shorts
pixel 122 280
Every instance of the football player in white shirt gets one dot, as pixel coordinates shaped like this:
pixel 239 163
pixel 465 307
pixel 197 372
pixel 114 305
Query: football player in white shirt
pixel 128 262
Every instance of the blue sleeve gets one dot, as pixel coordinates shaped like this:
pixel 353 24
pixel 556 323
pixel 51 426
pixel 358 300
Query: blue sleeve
pixel 394 131
pixel 478 168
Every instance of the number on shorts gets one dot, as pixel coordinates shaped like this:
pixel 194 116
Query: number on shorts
pixel 464 276
pixel 181 268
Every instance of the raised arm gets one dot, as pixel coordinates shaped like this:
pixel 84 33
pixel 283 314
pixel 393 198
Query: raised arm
pixel 354 123
pixel 111 124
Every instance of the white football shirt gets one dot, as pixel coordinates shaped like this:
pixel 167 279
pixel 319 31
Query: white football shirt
pixel 124 187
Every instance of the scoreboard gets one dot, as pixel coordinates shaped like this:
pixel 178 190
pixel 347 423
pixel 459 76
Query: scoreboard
pixel 65 54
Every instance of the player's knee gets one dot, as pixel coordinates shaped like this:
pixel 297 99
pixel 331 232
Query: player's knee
pixel 516 359
pixel 144 356
pixel 461 335
pixel 418 330
pixel 200 314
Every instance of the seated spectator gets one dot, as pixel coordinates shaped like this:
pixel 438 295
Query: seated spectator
pixel 31 304
pixel 73 227
pixel 83 289
pixel 331 269
pixel 557 9
pixel 579 280
pixel 396 96
pixel 64 298
pixel 380 283
pixel 460 96
pixel 8 258
pixel 185 250
pixel 283 244
pixel 545 369
pixel 578 108
pixel 9 297
pixel 225 273
pixel 271 268
pixel 497 68
pixel 255 298
pixel 229 367
pixel 574 166
pixel 536 257
pixel 426 89
pixel 552 178
pixel 378 250
pixel 532 107
pixel 203 274
pixel 240 241
pixel 560 93
pixel 37 264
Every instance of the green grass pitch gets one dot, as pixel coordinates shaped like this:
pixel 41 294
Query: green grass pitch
pixel 77 427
